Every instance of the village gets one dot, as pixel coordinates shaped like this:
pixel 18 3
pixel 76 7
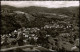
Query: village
pixel 36 28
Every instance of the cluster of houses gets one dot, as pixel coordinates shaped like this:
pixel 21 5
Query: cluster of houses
pixel 27 32
pixel 55 25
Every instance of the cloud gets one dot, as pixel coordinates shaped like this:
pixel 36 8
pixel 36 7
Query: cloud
pixel 49 4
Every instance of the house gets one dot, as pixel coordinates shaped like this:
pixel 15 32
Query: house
pixel 64 34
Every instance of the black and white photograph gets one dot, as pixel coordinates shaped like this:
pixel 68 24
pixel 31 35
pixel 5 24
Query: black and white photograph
pixel 39 26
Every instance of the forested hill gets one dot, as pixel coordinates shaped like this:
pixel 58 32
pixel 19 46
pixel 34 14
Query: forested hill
pixel 64 10
pixel 33 16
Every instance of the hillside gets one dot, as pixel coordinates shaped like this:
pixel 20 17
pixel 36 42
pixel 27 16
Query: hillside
pixel 35 16
pixel 65 10
pixel 52 28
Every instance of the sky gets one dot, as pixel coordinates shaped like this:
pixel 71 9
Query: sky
pixel 49 4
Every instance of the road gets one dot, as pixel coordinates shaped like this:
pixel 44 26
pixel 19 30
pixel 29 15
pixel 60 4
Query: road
pixel 27 48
